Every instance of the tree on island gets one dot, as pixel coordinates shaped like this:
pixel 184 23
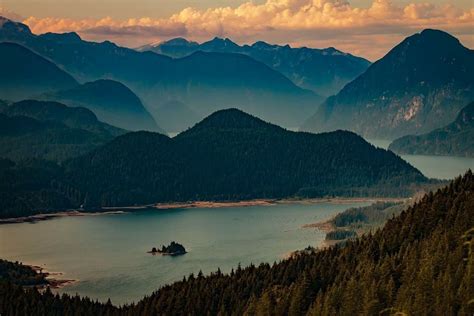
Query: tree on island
pixel 173 249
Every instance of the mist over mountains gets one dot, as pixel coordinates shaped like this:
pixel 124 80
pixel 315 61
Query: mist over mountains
pixel 111 101
pixel 204 82
pixel 324 71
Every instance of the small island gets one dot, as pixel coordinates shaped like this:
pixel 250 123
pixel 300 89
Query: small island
pixel 174 249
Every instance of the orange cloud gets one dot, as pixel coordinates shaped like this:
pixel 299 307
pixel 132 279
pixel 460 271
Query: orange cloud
pixel 369 32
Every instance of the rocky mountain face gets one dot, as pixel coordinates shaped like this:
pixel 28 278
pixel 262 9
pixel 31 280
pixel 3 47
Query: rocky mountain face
pixel 455 139
pixel 420 85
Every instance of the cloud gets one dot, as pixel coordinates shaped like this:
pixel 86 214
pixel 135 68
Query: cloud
pixel 369 32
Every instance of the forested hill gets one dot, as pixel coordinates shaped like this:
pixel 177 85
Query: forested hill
pixel 50 130
pixel 232 155
pixel 455 139
pixel 420 263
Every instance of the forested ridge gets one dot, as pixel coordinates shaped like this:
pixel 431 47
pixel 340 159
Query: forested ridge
pixel 230 155
pixel 51 131
pixel 420 263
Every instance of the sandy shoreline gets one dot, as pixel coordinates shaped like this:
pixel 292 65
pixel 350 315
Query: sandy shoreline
pixel 191 204
pixel 211 204
pixel 46 216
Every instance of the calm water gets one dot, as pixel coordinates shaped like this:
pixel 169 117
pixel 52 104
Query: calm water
pixel 107 253
pixel 439 167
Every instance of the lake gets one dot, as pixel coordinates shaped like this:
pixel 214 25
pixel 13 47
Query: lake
pixel 107 253
pixel 439 167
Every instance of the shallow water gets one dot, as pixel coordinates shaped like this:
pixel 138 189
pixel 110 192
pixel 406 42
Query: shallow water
pixel 107 253
pixel 439 167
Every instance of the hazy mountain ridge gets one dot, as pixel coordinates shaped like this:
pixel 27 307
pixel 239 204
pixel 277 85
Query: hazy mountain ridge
pixel 324 71
pixel 146 167
pixel 455 139
pixel 111 101
pixel 203 82
pixel 420 85
pixel 26 74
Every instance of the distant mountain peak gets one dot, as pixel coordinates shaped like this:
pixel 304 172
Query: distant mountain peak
pixel 69 37
pixel 420 85
pixel 430 40
pixel 220 42
pixel 263 45
pixel 7 24
pixel 178 41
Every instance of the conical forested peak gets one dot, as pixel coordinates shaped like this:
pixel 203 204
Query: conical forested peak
pixel 232 119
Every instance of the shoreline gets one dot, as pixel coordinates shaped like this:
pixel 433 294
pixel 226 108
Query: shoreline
pixel 192 204
pixel 46 216
pixel 51 277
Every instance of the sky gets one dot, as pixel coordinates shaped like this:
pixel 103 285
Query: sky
pixel 367 28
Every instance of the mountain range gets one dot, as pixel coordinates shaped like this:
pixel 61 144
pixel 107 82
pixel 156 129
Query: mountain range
pixel 204 82
pixel 324 71
pixel 420 85
pixel 455 139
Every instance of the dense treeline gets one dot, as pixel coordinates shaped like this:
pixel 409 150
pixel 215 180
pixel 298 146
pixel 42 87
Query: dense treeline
pixel 340 234
pixel 34 186
pixel 231 155
pixel 419 263
pixel 50 130
pixel 228 156
pixel 19 274
pixel 378 212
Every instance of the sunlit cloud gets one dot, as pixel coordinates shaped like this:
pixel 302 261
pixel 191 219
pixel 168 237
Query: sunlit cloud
pixel 369 32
